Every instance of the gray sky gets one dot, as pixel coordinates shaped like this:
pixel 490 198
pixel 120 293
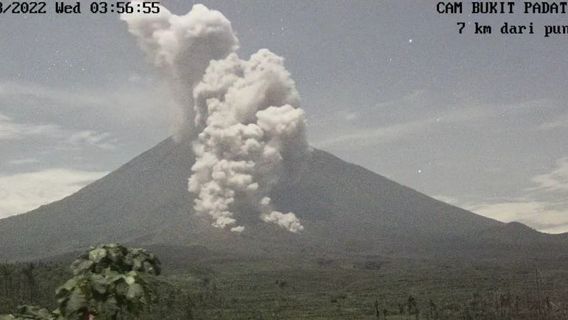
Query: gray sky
pixel 477 121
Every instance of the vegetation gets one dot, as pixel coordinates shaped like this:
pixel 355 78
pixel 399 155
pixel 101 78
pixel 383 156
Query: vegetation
pixel 238 288
pixel 108 281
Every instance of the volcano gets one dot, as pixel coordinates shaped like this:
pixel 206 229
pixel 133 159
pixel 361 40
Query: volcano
pixel 345 209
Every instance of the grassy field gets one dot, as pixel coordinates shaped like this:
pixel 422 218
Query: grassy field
pixel 295 288
pixel 353 289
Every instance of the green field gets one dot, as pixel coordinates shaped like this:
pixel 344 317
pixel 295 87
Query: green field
pixel 325 288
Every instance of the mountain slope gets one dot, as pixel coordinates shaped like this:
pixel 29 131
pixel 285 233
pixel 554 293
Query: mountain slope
pixel 344 208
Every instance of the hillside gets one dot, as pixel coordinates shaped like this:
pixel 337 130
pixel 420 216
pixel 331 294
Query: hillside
pixel 346 210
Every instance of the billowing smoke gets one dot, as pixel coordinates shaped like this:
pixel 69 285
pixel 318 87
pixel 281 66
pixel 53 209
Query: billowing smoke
pixel 242 116
pixel 251 134
pixel 181 47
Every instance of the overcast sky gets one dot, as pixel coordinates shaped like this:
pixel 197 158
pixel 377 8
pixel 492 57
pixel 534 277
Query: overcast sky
pixel 477 121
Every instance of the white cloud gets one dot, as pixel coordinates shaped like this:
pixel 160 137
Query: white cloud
pixel 351 116
pixel 31 92
pixel 555 181
pixel 46 126
pixel 362 137
pixel 22 192
pixel 543 206
pixel 540 215
pixel 449 200
pixel 132 104
pixel 559 123
pixel 384 123
pixel 12 130
pixel 370 136
pixel 90 137
pixel 23 161
pixel 349 129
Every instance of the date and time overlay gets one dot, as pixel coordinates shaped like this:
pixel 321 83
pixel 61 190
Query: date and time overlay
pixel 79 7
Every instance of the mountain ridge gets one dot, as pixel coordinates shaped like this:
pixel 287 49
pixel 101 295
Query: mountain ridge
pixel 345 209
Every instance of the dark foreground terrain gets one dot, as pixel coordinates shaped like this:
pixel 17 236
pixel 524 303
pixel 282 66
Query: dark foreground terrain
pixel 371 249
pixel 202 285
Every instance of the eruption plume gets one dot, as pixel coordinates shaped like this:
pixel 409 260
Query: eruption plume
pixel 241 116
pixel 181 47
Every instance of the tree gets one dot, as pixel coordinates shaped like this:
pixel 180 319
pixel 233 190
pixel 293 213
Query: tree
pixel 432 310
pixel 108 280
pixel 377 310
pixel 6 270
pixel 412 306
pixel 29 276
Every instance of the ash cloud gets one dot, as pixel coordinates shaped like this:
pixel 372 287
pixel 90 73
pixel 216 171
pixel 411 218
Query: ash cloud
pixel 241 116
pixel 181 47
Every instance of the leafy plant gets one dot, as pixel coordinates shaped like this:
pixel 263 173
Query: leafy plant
pixel 30 312
pixel 107 280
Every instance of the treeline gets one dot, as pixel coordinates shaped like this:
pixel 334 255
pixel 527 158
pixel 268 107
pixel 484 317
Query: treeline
pixel 29 283
pixel 203 298
pixel 491 306
pixel 108 282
